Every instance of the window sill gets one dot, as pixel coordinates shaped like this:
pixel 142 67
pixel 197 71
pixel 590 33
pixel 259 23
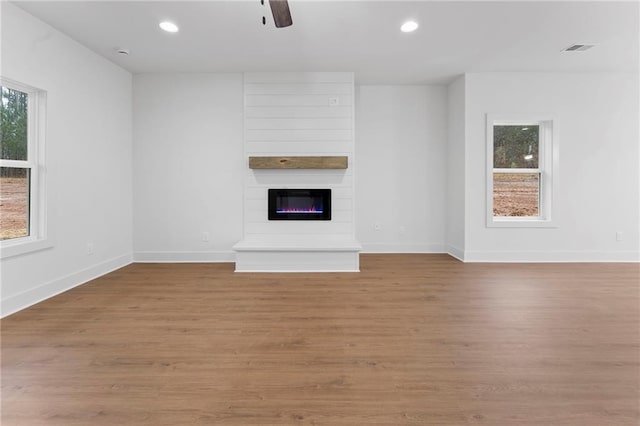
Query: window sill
pixel 520 223
pixel 23 246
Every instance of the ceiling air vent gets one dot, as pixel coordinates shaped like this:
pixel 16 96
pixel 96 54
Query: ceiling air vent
pixel 578 47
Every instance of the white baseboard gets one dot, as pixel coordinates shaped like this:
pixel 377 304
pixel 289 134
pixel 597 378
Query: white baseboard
pixel 455 252
pixel 35 295
pixel 549 256
pixel 402 248
pixel 183 256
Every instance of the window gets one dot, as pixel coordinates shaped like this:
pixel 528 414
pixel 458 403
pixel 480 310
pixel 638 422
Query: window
pixel 521 163
pixel 22 202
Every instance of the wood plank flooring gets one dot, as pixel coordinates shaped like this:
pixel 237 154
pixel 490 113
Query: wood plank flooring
pixel 411 340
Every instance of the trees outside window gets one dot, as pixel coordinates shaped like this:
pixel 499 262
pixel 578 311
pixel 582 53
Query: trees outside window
pixel 15 170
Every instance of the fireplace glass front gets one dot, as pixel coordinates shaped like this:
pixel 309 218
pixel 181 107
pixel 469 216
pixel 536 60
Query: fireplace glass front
pixel 299 204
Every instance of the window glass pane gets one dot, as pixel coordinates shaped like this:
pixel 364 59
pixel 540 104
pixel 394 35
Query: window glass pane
pixel 516 194
pixel 13 124
pixel 515 147
pixel 14 203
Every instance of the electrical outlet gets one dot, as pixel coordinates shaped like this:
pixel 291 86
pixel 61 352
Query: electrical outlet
pixel 619 236
pixel 205 237
pixel 90 248
pixel 377 226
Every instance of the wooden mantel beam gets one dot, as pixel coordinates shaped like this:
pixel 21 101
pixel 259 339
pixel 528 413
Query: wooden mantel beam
pixel 313 162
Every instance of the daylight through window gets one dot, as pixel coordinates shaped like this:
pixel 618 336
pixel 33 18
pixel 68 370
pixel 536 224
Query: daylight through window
pixel 14 173
pixel 516 175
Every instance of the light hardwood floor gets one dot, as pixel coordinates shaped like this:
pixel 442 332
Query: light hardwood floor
pixel 411 340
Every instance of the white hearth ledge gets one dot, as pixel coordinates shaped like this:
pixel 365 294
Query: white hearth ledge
pixel 309 254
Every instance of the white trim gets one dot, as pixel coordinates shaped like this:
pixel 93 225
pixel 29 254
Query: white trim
pixel 16 85
pixel 521 222
pixel 45 291
pixel 352 163
pixel 403 248
pixel 551 256
pixel 184 257
pixel 20 246
pixel 518 171
pixel 455 252
pixel 18 164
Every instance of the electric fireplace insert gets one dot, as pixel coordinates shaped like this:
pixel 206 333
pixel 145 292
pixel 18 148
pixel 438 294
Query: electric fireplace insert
pixel 299 204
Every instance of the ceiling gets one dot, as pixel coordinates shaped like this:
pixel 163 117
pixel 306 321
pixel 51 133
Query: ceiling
pixel 361 36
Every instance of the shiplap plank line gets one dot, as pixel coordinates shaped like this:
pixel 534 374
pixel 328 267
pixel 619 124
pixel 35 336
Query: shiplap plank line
pixel 297 89
pixel 259 192
pixel 303 135
pixel 298 123
pixel 296 112
pixel 295 100
pixel 298 77
pixel 292 227
pixel 285 180
pixel 295 148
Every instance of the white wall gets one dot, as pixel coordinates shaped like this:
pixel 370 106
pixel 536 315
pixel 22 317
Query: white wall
pixel 188 166
pixel 456 168
pixel 596 118
pixel 88 159
pixel 401 139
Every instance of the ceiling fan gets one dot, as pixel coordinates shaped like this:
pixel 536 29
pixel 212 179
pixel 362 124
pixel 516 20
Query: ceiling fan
pixel 281 13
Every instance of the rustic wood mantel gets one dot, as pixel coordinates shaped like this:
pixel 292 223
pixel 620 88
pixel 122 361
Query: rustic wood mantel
pixel 313 162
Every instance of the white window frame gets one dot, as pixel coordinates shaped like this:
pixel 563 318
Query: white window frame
pixel 547 169
pixel 39 237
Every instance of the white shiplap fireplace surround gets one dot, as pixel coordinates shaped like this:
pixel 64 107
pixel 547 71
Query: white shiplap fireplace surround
pixel 298 114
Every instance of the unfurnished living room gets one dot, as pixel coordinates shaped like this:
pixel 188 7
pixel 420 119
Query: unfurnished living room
pixel 313 212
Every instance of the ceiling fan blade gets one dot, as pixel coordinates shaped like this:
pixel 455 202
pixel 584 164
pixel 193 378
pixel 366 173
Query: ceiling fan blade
pixel 281 13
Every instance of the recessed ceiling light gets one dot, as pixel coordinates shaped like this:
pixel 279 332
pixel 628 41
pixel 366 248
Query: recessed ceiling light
pixel 169 27
pixel 409 26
